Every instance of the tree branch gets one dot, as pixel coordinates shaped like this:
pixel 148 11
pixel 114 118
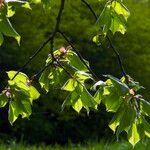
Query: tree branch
pixel 110 42
pixel 51 38
pixel 56 29
pixel 33 56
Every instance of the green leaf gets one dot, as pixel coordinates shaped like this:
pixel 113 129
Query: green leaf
pixel 70 85
pixel 117 118
pixel 113 17
pixel 26 5
pixel 120 9
pixel 99 95
pixel 20 105
pixel 7 29
pixel 117 23
pixel 78 105
pixel 10 11
pixel 112 101
pixel 44 80
pixel 73 99
pixel 80 97
pixel 82 76
pixel 87 99
pixel 99 39
pixel 3 100
pixel 121 87
pixel 104 20
pixel 75 61
pixel 133 134
pixel 34 94
pixel 17 108
pixel 20 76
pixel 127 118
pixel 145 107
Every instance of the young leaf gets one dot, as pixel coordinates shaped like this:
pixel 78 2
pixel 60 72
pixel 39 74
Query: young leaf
pixel 78 105
pixel 133 134
pixel 117 23
pixel 114 17
pixel 7 29
pixel 70 85
pixel 120 9
pixel 20 76
pixel 34 94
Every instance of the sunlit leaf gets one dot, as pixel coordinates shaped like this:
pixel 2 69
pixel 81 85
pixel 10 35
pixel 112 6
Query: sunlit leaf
pixel 17 108
pixel 113 17
pixel 120 9
pixel 34 94
pixel 117 23
pixel 78 105
pixel 70 85
pixel 133 134
pixel 20 76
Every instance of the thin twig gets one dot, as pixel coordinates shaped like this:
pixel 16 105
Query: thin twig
pixel 42 70
pixel 33 56
pixel 56 29
pixel 80 56
pixel 109 40
pixel 90 8
pixel 118 57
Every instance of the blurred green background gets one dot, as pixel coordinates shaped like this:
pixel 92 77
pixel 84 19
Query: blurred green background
pixel 48 124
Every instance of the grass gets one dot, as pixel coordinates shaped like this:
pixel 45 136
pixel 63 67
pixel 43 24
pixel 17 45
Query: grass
pixel 143 145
